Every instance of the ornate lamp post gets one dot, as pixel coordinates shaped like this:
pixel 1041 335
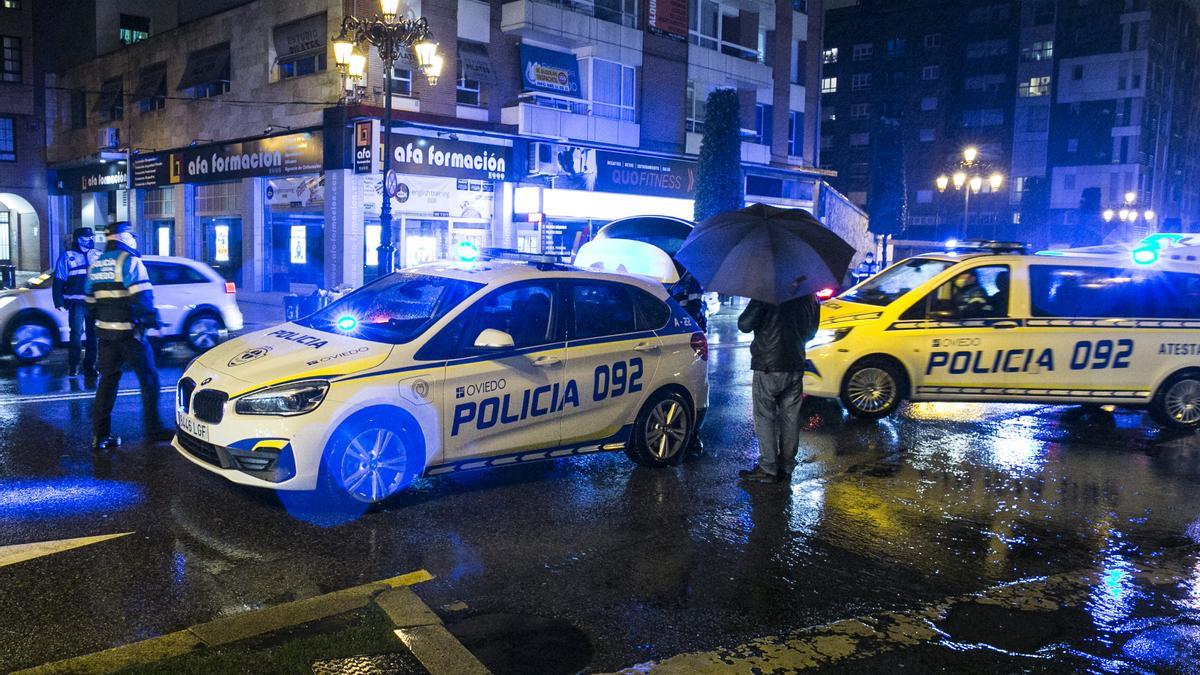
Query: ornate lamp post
pixel 1127 211
pixel 391 35
pixel 967 179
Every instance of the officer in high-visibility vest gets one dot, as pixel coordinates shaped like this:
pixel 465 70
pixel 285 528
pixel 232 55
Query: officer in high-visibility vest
pixel 121 301
pixel 70 275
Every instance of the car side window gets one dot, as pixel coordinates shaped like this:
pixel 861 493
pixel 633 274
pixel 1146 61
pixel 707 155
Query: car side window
pixel 975 293
pixel 601 309
pixel 525 311
pixel 652 313
pixel 167 274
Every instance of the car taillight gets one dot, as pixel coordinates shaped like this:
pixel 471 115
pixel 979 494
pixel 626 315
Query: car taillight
pixel 825 294
pixel 230 287
pixel 700 346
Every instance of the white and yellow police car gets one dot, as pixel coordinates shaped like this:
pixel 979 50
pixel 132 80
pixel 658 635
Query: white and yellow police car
pixel 444 367
pixel 1103 325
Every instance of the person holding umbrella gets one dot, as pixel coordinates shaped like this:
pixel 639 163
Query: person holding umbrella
pixel 778 258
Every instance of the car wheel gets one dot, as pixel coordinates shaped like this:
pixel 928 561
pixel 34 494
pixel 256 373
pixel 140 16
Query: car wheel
pixel 204 331
pixel 372 457
pixel 1176 404
pixel 662 431
pixel 872 389
pixel 31 340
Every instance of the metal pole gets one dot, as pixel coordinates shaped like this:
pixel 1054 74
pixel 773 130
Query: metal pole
pixel 966 209
pixel 387 252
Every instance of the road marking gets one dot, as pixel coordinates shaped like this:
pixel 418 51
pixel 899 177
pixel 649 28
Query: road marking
pixel 73 396
pixel 11 555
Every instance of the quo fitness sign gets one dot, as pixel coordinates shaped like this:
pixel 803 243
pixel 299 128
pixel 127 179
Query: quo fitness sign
pixel 449 158
pixel 274 156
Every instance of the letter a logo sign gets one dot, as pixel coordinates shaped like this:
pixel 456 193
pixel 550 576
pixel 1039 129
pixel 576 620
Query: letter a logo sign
pixel 175 166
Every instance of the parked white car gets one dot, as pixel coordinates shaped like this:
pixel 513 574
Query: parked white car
pixel 197 306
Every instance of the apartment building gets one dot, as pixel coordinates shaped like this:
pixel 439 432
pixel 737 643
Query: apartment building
pixel 226 133
pixel 1083 106
pixel 22 159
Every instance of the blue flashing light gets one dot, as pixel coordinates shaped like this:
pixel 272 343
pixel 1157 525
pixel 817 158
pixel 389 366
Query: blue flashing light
pixel 1146 255
pixel 347 324
pixel 468 252
pixel 951 244
pixel 1163 239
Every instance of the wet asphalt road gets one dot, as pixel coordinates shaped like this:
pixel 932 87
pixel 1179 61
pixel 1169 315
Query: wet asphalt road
pixel 594 564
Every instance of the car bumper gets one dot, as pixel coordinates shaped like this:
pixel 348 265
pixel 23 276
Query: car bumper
pixel 823 373
pixel 273 468
pixel 232 316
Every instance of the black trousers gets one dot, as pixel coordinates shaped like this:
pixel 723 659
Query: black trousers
pixel 116 354
pixel 83 336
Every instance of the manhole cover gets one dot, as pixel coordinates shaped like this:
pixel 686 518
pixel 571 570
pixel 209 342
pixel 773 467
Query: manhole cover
pixel 399 663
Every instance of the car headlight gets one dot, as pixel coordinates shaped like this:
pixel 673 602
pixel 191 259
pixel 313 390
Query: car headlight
pixel 296 398
pixel 827 337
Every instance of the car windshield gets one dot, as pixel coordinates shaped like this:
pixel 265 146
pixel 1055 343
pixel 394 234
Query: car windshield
pixel 395 309
pixel 885 287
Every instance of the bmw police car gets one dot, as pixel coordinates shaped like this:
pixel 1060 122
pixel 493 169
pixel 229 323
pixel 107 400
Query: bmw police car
pixel 449 366
pixel 1102 325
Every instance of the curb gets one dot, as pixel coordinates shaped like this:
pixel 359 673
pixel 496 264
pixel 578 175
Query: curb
pixel 416 625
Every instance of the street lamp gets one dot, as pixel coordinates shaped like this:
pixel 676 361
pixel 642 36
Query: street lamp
pixel 943 181
pixel 968 179
pixel 960 179
pixel 970 153
pixel 390 34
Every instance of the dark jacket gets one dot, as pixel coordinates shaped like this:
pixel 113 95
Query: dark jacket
pixel 780 333
pixel 119 295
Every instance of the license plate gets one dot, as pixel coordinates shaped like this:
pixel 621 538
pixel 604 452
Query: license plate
pixel 191 426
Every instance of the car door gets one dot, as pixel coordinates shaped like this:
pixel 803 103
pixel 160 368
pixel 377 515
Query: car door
pixel 610 361
pixel 177 289
pixel 505 399
pixel 961 341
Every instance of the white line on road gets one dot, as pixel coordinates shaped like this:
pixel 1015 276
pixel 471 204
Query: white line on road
pixel 11 555
pixel 73 396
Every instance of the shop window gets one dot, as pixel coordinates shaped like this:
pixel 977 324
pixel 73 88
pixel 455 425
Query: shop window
pixel 133 29
pixel 467 90
pixel 402 80
pixel 612 88
pixel 10 59
pixel 5 235
pixel 8 143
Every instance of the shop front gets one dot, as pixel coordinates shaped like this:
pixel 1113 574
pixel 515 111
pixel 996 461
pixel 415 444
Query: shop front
pixel 91 193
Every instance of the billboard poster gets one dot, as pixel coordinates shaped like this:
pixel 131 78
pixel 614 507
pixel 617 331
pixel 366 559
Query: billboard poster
pixel 668 18
pixel 285 155
pixel 550 71
pixel 433 196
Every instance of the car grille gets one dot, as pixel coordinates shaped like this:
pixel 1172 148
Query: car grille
pixel 205 452
pixel 186 387
pixel 209 405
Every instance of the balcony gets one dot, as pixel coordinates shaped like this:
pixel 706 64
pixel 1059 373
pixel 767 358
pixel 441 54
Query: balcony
pixel 752 153
pixel 580 23
pixel 709 65
pixel 558 117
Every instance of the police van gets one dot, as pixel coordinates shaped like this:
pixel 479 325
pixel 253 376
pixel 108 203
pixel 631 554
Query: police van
pixel 1113 325
pixel 449 366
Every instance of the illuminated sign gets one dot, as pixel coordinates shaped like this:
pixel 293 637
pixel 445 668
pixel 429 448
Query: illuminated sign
pixel 298 244
pixel 550 71
pixel 284 155
pixel 221 243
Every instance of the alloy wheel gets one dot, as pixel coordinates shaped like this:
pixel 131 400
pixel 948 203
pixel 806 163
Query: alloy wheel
pixel 666 429
pixel 374 465
pixel 1182 402
pixel 31 341
pixel 204 333
pixel 871 389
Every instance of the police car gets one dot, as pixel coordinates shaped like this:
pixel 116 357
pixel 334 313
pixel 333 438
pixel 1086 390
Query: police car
pixel 444 367
pixel 1103 325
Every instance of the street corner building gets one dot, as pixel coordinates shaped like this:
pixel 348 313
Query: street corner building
pixel 225 132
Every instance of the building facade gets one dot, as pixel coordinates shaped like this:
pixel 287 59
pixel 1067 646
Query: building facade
pixel 23 213
pixel 1075 104
pixel 230 138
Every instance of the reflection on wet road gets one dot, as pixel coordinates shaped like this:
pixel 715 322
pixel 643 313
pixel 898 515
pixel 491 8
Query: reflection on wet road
pixel 970 537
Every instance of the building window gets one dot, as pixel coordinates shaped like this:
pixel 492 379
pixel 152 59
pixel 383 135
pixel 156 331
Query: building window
pixel 762 123
pixel 860 82
pixel 896 47
pixel 401 81
pixel 133 29
pixel 466 92
pixel 10 4
pixel 860 111
pixel 211 89
pixel 828 85
pixel 1037 119
pixel 933 40
pixel 929 103
pixel 5 235
pixel 863 52
pixel 111 104
pixel 927 135
pixel 305 65
pixel 695 104
pixel 829 113
pixel 931 72
pixel 8 142
pixel 986 117
pixel 987 48
pixel 990 13
pixel 830 55
pixel 300 47
pixel 1038 51
pixel 985 83
pixel 1036 86
pixel 10 59
pixel 613 90
pixel 718 27
pixel 860 139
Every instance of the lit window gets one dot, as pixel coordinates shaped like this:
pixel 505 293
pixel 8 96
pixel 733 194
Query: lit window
pixel 133 29
pixel 401 81
pixel 1042 50
pixel 828 85
pixel 8 143
pixel 613 90
pixel 830 55
pixel 1036 86
pixel 466 91
pixel 11 4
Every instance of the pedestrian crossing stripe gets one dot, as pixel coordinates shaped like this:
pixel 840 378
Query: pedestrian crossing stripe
pixel 11 555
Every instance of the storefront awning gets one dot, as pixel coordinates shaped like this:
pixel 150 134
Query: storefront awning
pixel 473 58
pixel 110 96
pixel 151 82
pixel 301 38
pixel 205 66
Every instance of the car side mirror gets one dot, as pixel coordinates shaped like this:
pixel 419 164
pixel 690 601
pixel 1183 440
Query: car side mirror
pixel 942 314
pixel 491 338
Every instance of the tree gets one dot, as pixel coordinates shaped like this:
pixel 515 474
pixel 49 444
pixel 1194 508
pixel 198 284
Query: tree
pixel 887 203
pixel 1035 211
pixel 719 182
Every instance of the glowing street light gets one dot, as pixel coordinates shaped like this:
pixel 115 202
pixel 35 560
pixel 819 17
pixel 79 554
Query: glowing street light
pixel 996 180
pixel 960 179
pixel 970 153
pixel 976 184
pixel 943 181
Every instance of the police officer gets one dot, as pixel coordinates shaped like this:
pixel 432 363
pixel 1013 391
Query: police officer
pixel 689 294
pixel 121 300
pixel 866 269
pixel 70 275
